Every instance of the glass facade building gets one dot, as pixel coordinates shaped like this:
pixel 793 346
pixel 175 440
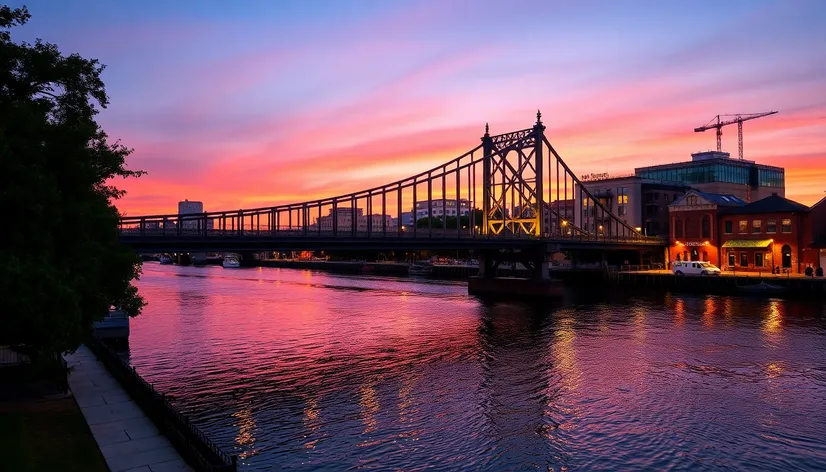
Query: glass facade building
pixel 717 170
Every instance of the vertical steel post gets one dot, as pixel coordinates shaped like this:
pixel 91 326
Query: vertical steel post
pixel 429 205
pixel 539 136
pixel 399 223
pixel 458 199
pixel 487 148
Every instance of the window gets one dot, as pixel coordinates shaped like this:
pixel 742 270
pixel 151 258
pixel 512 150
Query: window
pixel 706 227
pixel 622 199
pixel 758 259
pixel 622 210
pixel 744 259
pixel 786 225
pixel 757 226
pixel 771 226
pixel 731 258
pixel 729 227
pixel 678 228
pixel 744 226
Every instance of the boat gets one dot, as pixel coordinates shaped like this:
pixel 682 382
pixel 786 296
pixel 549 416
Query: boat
pixel 231 262
pixel 762 287
pixel 166 259
pixel 115 325
pixel 420 268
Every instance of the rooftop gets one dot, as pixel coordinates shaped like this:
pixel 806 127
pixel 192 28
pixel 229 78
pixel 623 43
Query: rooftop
pixel 705 161
pixel 771 204
pixel 716 198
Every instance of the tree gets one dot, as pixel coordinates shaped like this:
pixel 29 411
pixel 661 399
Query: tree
pixel 61 264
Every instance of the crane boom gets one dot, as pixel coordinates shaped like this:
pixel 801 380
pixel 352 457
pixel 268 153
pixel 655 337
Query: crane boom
pixel 717 123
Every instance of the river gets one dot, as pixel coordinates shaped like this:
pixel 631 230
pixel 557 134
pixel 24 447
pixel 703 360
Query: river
pixel 310 371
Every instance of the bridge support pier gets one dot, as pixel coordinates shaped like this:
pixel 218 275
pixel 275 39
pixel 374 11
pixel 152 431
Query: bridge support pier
pixel 199 258
pixel 535 262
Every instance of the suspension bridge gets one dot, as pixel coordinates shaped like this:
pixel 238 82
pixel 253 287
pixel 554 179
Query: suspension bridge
pixel 512 193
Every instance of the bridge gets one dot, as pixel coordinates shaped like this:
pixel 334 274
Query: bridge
pixel 511 193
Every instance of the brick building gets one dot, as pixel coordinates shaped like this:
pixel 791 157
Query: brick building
pixel 815 253
pixel 773 232
pixel 694 233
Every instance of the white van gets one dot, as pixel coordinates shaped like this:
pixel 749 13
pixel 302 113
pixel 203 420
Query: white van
pixel 694 268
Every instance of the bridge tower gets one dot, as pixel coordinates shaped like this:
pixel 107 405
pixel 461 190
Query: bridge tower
pixel 513 182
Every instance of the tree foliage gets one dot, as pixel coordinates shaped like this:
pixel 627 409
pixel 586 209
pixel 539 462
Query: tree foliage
pixel 61 265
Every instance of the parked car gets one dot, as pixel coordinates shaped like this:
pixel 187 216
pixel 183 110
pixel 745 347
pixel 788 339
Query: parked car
pixel 694 268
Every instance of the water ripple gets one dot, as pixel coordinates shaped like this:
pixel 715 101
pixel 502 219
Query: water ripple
pixel 300 370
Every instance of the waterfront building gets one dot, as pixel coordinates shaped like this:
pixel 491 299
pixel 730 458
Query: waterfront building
pixel 816 231
pixel 716 172
pixel 767 234
pixel 441 208
pixel 188 207
pixel 555 213
pixel 640 202
pixel 345 220
pixel 694 231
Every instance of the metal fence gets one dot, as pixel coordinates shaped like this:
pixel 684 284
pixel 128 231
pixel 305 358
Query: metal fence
pixel 190 441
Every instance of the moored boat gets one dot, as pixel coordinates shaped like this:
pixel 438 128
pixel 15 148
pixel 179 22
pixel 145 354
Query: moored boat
pixel 166 259
pixel 231 262
pixel 420 268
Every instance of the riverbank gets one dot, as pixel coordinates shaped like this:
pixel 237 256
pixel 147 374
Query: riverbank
pixel 752 284
pixel 126 437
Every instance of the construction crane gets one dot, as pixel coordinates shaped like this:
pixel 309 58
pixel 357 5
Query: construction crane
pixel 719 121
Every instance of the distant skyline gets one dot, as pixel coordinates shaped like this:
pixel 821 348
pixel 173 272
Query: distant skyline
pixel 257 103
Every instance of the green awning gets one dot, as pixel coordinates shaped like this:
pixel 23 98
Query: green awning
pixel 748 243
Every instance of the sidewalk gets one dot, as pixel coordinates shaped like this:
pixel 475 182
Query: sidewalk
pixel 129 441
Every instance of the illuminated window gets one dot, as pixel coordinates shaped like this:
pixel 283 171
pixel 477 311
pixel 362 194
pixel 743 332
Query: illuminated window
pixel 757 226
pixel 744 226
pixel 622 199
pixel 771 226
pixel 786 225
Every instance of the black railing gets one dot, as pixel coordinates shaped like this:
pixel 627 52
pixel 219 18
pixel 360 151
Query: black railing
pixel 191 442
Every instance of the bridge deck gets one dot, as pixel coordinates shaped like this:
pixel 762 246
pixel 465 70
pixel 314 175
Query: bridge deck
pixel 256 241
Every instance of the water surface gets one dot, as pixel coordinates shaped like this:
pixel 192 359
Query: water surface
pixel 300 370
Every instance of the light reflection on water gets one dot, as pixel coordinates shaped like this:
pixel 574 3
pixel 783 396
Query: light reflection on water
pixel 301 370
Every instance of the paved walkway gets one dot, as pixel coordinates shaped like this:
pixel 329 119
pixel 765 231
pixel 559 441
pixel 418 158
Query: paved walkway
pixel 129 441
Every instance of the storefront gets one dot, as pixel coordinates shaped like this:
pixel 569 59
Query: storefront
pixel 759 255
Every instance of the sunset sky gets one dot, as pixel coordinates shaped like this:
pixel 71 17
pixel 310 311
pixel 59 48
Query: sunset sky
pixel 246 104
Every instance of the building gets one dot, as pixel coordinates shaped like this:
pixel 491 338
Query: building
pixel 556 212
pixel 442 207
pixel 639 202
pixel 764 235
pixel 345 221
pixel 716 172
pixel 694 224
pixel 187 207
pixel 816 229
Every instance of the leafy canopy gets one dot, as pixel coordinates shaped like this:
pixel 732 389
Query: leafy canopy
pixel 61 265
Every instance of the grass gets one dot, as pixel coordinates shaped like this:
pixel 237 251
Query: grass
pixel 47 435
